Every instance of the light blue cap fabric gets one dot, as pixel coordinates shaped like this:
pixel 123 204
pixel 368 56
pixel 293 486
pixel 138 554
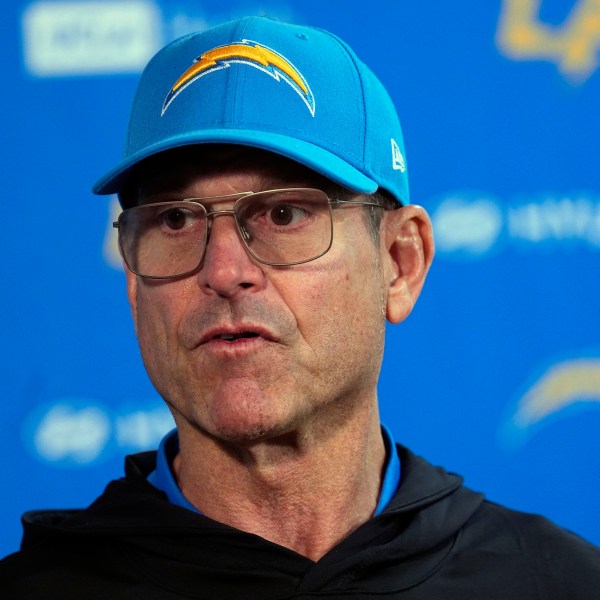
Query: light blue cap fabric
pixel 294 90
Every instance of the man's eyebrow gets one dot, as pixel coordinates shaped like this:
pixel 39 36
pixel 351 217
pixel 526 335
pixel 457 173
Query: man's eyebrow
pixel 161 192
pixel 154 193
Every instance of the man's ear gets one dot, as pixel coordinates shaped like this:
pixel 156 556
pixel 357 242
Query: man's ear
pixel 132 284
pixel 408 239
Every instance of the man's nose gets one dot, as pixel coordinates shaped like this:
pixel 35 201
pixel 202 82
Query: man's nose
pixel 227 267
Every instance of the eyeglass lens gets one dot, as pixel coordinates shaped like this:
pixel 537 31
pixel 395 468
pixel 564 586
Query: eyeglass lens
pixel 279 227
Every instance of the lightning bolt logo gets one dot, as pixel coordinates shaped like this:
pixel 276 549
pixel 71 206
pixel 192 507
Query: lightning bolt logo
pixel 567 384
pixel 249 53
pixel 564 384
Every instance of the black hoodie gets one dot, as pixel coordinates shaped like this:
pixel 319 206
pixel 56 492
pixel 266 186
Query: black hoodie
pixel 435 540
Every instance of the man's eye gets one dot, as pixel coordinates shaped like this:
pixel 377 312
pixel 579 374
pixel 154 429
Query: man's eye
pixel 287 214
pixel 175 219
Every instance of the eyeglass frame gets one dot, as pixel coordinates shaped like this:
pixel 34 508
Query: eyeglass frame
pixel 332 203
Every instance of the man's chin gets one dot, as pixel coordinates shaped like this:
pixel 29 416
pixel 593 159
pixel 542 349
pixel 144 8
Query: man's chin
pixel 241 413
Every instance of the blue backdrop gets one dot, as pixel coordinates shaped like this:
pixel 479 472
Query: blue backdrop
pixel 496 374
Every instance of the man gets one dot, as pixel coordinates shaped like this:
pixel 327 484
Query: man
pixel 268 234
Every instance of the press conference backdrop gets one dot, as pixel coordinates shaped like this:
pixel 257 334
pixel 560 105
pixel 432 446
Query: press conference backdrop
pixel 495 375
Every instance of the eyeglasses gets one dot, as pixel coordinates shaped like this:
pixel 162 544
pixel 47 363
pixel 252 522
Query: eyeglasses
pixel 282 227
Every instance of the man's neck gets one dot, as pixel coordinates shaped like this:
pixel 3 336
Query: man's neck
pixel 303 492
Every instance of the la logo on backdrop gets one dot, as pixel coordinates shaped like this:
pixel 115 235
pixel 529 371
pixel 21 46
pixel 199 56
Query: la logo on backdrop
pixel 573 46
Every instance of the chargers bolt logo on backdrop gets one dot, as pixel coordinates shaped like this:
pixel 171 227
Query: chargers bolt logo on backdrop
pixel 564 387
pixel 249 53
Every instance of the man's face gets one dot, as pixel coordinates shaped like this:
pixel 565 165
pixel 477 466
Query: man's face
pixel 245 351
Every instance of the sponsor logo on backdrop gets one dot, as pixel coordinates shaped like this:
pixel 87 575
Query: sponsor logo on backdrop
pixel 81 432
pixel 559 390
pixel 573 46
pixel 475 225
pixel 90 37
pixel 467 224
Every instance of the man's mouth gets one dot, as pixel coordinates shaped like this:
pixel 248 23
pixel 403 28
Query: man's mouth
pixel 232 337
pixel 240 333
pixel 237 334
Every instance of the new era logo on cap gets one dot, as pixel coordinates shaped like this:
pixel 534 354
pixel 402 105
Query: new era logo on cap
pixel 398 163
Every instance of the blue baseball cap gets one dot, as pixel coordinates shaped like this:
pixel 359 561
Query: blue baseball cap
pixel 293 90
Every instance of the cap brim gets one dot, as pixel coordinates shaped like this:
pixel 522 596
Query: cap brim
pixel 303 152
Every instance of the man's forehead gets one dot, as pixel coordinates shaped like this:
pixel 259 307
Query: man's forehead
pixel 175 169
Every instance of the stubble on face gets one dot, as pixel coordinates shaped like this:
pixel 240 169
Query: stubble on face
pixel 297 378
